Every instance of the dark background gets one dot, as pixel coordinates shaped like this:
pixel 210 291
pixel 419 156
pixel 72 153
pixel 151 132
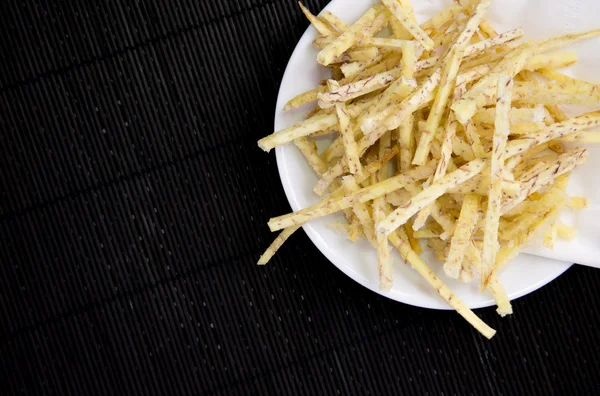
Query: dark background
pixel 133 207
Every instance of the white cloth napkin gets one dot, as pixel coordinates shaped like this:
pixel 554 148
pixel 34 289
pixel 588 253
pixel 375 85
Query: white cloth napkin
pixel 542 19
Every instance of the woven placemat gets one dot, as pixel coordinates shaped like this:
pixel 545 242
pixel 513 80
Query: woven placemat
pixel 133 207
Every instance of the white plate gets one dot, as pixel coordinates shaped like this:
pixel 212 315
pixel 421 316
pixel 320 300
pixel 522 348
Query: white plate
pixel 358 260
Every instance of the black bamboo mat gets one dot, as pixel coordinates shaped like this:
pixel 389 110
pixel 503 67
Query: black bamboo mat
pixel 133 203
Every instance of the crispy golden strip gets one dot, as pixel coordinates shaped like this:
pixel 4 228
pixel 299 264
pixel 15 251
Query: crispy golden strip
pixel 473 74
pixel 466 273
pixel 305 97
pixel 544 176
pixel 462 149
pixel 443 38
pixel 529 166
pixel 550 236
pixel 388 43
pixel 309 150
pixel 490 59
pixel 323 41
pixel 423 66
pixel 446 149
pixel 557 147
pixel 353 68
pixel 492 218
pixel 347 134
pixel 487 30
pixel 553 132
pixel 418 264
pixel 556 113
pixel 398 31
pixel 557 42
pixel 334 21
pixel 336 148
pixel 440 248
pixel 480 184
pixel 360 209
pixel 407 5
pixel 332 84
pixel 525 128
pixel 471 27
pixel 469 216
pixel 341 229
pixel 281 238
pixel 442 17
pixel 414 242
pixel 361 61
pixel 316 110
pixel 528 170
pixel 363 54
pixel 372 28
pixel 418 99
pixel 387 63
pixel 517 115
pixel 321 26
pixel 530 210
pixel 384 258
pixel 565 232
pixel 495 41
pixel 429 195
pixel 576 85
pixel 406 140
pixel 552 61
pixel 409 23
pixel 473 139
pixel 562 83
pixel 494 286
pixel 345 40
pixel 423 214
pixel 357 89
pixel 355 229
pixel 507 253
pixel 396 182
pixel 583 137
pixel 328 132
pixel 319 122
pixel 388 102
pixel 473 50
pixel 384 146
pixel 578 203
pixel 445 222
pixel 398 197
pixel 531 207
pixel 328 177
pixel 547 95
pixel 562 182
pixel 405 130
pixel 426 234
pixel 307 127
